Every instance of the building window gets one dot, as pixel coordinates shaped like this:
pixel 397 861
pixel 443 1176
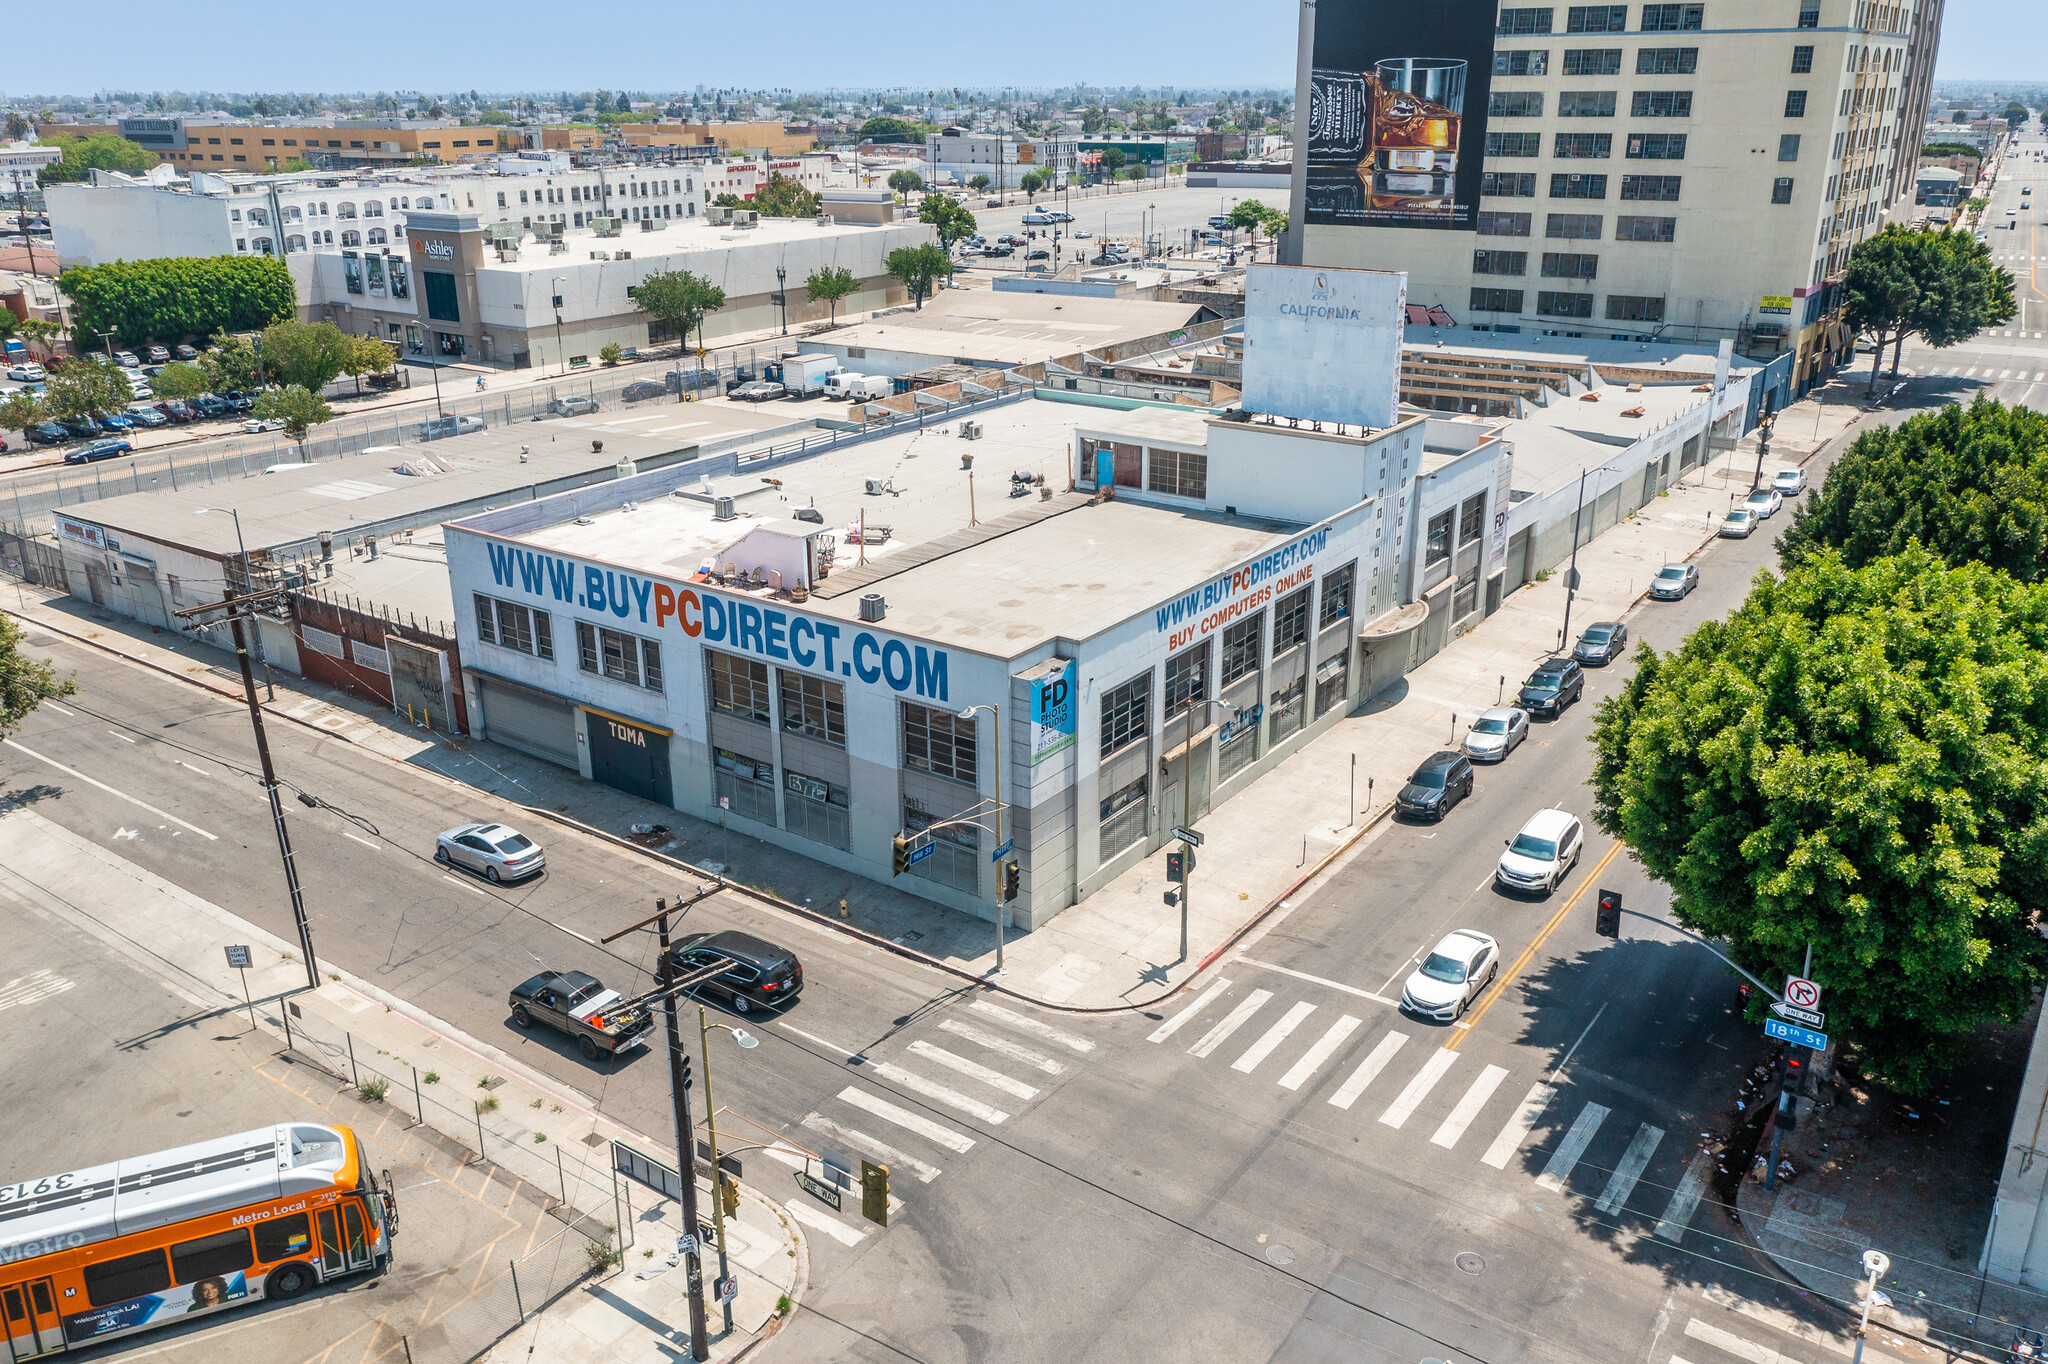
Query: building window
pixel 744 786
pixel 1513 144
pixel 1660 104
pixel 1596 19
pixel 1578 186
pixel 1583 146
pixel 1241 653
pixel 1802 60
pixel 1187 678
pixel 1500 262
pixel 1650 188
pixel 1527 61
pixel 1584 104
pixel 1592 61
pixel 1121 813
pixel 1289 707
pixel 1237 746
pixel 1290 621
pixel 442 305
pixel 1795 104
pixel 957 863
pixel 1673 18
pixel 818 809
pixel 1630 228
pixel 814 707
pixel 1781 190
pixel 1625 308
pixel 1515 21
pixel 1809 14
pixel 1497 224
pixel 1655 147
pixel 1437 546
pixel 1125 712
pixel 1496 301
pixel 739 686
pixel 1508 184
pixel 1337 588
pixel 1471 519
pixel 940 742
pixel 512 626
pixel 1667 61
pixel 1515 104
pixel 1574 226
pixel 621 657
pixel 1333 681
pixel 1564 305
pixel 1179 473
pixel 1788 146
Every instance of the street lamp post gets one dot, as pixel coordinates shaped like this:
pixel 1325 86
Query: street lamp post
pixel 561 354
pixel 1571 582
pixel 747 1042
pixel 995 712
pixel 269 687
pixel 782 296
pixel 1875 1263
pixel 1187 802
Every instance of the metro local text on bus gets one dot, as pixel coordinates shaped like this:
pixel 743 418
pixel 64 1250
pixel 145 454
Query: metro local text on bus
pixel 765 631
pixel 1240 591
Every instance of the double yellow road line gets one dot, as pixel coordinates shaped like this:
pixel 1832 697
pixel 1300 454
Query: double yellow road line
pixel 1507 977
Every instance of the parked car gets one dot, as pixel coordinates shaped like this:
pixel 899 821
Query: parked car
pixel 1737 524
pixel 256 426
pixel 175 410
pixel 1451 976
pixel 1542 854
pixel 759 391
pixel 499 852
pixel 998 250
pixel 1219 221
pixel 239 400
pixel 159 356
pixel 185 353
pixel 571 405
pixel 448 424
pixel 1083 234
pixel 114 421
pixel 1554 685
pixel 99 449
pixel 84 428
pixel 147 416
pixel 580 1006
pixel 46 433
pixel 763 975
pixel 141 393
pixel 126 359
pixel 28 373
pixel 1439 784
pixel 1674 581
pixel 209 408
pixel 151 371
pixel 1497 732
pixel 993 203
pixel 1039 254
pixel 642 389
pixel 1602 643
pixel 1789 482
pixel 1764 502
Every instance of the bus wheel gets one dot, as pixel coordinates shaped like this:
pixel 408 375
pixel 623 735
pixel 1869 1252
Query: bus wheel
pixel 287 1282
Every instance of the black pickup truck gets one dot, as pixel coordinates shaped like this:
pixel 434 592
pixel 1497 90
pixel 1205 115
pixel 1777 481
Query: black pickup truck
pixel 579 1005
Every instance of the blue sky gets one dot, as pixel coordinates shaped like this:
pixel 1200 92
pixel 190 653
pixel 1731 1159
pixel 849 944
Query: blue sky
pixel 804 44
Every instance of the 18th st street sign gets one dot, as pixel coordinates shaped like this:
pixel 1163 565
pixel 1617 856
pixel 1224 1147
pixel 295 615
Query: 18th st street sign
pixel 1796 1035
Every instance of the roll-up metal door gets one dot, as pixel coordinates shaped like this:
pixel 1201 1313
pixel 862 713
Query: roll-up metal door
pixel 530 721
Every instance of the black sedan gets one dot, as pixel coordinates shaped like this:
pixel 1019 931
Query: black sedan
pixel 1603 642
pixel 1553 686
pixel 580 1006
pixel 46 433
pixel 1441 782
pixel 642 389
pixel 762 975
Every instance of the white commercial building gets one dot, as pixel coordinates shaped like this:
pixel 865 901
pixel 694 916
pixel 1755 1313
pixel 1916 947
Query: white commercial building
pixel 957 155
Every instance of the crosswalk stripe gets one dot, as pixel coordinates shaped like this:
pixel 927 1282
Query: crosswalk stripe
pixel 994 1079
pixel 1572 1147
pixel 897 1160
pixel 1258 1051
pixel 1418 1088
pixel 1179 1020
pixel 1469 1106
pixel 831 1226
pixel 1735 1345
pixel 1517 1130
pixel 1326 1046
pixel 1686 1200
pixel 1033 1026
pixel 1232 1021
pixel 907 1120
pixel 1368 1069
pixel 932 1089
pixel 1003 1046
pixel 1622 1182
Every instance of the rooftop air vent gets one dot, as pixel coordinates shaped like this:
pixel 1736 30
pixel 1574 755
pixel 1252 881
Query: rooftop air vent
pixel 721 509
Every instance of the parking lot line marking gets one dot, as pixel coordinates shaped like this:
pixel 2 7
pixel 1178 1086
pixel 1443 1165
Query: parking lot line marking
pixel 119 735
pixel 74 772
pixel 1318 980
pixel 1368 1069
pixel 364 841
pixel 1179 1020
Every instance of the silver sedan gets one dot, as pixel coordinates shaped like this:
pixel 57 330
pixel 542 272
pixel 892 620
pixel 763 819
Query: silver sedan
pixel 499 852
pixel 1496 733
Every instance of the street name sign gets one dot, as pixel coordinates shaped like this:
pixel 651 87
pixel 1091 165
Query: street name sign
pixel 919 854
pixel 1796 1035
pixel 1009 846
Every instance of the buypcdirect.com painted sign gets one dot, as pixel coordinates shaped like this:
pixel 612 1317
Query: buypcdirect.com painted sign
pixel 1242 590
pixel 742 626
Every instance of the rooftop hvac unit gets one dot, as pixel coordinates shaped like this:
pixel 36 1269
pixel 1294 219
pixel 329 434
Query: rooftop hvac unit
pixel 717 213
pixel 721 509
pixel 623 255
pixel 824 220
pixel 508 253
pixel 877 486
pixel 600 255
pixel 745 217
pixel 970 430
pixel 872 606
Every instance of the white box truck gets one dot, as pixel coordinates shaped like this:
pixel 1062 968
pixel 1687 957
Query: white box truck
pixel 847 386
pixel 804 375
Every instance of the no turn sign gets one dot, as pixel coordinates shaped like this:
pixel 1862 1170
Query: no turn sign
pixel 1801 994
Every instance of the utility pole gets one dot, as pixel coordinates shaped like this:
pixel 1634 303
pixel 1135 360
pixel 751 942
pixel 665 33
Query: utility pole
pixel 1571 582
pixel 686 1146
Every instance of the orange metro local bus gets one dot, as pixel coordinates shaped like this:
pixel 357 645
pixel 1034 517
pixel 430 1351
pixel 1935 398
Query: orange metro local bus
pixel 118 1248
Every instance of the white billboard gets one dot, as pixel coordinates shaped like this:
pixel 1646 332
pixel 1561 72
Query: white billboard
pixel 1324 345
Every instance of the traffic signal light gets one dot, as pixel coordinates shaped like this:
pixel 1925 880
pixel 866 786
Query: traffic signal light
pixel 899 856
pixel 1176 873
pixel 688 1081
pixel 1009 881
pixel 874 1192
pixel 728 1194
pixel 1607 921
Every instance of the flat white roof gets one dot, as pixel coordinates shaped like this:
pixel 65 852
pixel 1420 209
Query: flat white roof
pixel 1012 328
pixel 685 236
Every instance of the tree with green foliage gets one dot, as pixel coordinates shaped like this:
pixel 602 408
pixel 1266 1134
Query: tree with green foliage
pixel 1962 292
pixel 905 181
pixel 1851 764
pixel 293 165
pixel 610 353
pixel 829 284
pixel 181 381
pixel 233 363
pixel 2016 114
pixel 171 297
pixel 1032 182
pixel 978 183
pixel 83 156
pixel 783 197
pixel 41 331
pixel 368 355
pixel 25 682
pixel 680 300
pixel 886 129
pixel 309 354
pixel 1113 160
pixel 1951 149
pixel 728 200
pixel 299 410
pixel 20 410
pixel 86 386
pixel 1881 291
pixel 920 268
pixel 948 217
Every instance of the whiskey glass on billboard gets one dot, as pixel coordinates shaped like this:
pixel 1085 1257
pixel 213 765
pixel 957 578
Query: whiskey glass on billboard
pixel 1415 129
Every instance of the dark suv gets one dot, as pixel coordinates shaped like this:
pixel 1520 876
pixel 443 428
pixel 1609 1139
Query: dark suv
pixel 1441 782
pixel 763 975
pixel 1555 684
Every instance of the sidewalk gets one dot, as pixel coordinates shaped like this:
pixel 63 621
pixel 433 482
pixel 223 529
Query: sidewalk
pixel 1120 947
pixel 532 1130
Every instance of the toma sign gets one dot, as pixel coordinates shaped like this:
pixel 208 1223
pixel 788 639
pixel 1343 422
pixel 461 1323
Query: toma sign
pixel 744 626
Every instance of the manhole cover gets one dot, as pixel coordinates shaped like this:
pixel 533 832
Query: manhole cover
pixel 1279 1254
pixel 1471 1264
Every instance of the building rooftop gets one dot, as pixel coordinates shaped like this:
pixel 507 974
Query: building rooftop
pixel 1554 442
pixel 695 236
pixel 1592 351
pixel 1007 328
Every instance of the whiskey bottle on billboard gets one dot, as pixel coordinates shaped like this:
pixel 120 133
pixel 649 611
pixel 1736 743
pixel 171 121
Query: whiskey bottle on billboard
pixel 1417 120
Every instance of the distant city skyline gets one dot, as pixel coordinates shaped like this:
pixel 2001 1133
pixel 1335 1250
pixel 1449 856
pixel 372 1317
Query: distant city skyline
pixel 1060 43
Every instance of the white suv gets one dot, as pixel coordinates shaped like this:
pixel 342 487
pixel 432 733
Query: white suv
pixel 1543 854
